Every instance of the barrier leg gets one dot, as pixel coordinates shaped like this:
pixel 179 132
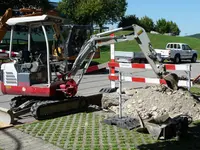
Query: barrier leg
pixel 120 95
pixel 189 80
pixel 112 69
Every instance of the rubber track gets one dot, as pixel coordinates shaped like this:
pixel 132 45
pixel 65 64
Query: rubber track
pixel 54 108
pixel 17 101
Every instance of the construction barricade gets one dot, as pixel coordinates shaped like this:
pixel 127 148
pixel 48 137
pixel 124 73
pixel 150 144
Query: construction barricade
pixel 169 67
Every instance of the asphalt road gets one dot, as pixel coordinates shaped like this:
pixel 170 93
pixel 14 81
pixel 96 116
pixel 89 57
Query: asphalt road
pixel 93 83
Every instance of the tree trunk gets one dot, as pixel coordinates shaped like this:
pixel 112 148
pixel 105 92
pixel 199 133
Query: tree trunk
pixel 100 28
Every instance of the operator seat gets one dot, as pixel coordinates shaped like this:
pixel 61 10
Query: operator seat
pixel 28 65
pixel 26 56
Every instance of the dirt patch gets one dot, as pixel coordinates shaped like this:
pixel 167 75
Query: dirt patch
pixel 154 101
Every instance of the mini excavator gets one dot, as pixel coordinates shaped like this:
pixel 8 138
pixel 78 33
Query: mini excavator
pixel 40 91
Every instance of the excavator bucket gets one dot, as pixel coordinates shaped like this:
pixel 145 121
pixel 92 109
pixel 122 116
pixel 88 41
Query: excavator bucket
pixel 172 80
pixel 6 117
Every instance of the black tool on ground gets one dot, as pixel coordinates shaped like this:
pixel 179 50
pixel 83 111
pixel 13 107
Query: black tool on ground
pixel 124 122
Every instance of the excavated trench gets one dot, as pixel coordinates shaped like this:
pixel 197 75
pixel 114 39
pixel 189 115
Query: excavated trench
pixel 153 101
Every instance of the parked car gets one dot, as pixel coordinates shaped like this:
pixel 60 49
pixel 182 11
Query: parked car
pixel 177 52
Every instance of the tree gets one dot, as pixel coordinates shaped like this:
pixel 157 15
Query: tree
pixel 44 4
pixel 128 21
pixel 162 26
pixel 147 23
pixel 174 29
pixel 93 11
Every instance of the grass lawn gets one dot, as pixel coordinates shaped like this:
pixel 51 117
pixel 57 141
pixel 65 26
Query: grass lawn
pixel 86 131
pixel 195 90
pixel 158 41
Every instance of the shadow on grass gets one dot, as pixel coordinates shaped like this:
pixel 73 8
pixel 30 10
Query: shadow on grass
pixel 191 142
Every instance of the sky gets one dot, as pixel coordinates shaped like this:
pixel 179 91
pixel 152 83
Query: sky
pixel 185 13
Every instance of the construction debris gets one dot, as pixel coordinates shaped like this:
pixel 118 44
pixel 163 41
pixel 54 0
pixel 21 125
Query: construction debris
pixel 165 127
pixel 152 102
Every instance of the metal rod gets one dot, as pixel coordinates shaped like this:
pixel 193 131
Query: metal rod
pixel 120 95
pixel 29 38
pixel 48 61
pixel 11 42
pixel 189 78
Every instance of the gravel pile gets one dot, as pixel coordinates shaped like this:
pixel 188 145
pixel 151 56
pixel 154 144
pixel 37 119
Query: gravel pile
pixel 153 101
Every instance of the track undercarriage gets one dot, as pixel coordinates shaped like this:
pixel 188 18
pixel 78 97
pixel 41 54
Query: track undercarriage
pixel 44 107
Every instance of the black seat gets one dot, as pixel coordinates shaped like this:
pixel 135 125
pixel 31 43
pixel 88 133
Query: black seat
pixel 26 56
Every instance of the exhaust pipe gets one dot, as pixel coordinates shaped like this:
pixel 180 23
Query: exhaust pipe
pixel 6 116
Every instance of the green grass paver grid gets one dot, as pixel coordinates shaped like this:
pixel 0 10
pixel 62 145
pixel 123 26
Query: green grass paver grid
pixel 81 129
pixel 48 129
pixel 117 137
pixel 85 125
pixel 42 130
pixel 55 135
pixel 100 133
pixel 71 130
pixel 123 132
pixel 109 137
pixel 77 131
pixel 91 130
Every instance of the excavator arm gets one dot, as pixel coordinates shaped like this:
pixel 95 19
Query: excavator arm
pixel 3 25
pixel 104 38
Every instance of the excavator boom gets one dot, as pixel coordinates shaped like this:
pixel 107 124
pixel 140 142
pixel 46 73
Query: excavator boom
pixel 143 41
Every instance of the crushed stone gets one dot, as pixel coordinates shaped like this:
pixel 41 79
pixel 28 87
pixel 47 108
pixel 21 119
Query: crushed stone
pixel 153 101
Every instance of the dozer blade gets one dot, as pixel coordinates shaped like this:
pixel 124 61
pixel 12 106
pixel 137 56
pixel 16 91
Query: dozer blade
pixel 6 117
pixel 172 80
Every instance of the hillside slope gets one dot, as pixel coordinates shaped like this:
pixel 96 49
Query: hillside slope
pixel 195 35
pixel 158 41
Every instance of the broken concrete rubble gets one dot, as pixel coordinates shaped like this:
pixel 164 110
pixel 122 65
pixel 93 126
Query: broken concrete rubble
pixel 153 101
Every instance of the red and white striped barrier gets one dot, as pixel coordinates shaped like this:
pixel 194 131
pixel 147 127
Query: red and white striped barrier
pixel 4 54
pixel 96 67
pixel 112 77
pixel 148 66
pixel 112 59
pixel 183 83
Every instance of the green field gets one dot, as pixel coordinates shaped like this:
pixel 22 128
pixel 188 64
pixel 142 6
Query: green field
pixel 158 42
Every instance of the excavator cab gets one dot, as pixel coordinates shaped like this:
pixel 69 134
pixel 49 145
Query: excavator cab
pixel 31 73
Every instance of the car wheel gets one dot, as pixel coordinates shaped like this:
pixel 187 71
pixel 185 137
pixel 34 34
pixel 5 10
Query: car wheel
pixel 177 59
pixel 194 58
